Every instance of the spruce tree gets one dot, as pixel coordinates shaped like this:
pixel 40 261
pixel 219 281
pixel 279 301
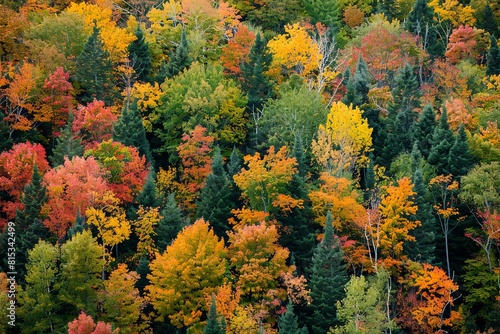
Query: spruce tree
pixel 140 59
pixel 29 227
pixel 489 22
pixel 180 59
pixel 149 196
pixel 358 85
pixel 326 12
pixel 442 141
pixel 67 145
pixel 143 271
pixel 422 250
pixel 129 130
pixel 460 160
pixel 215 200
pixel 424 130
pixel 170 225
pixel 421 23
pixel 215 325
pixel 255 82
pixel 493 58
pixel 94 72
pixel 288 324
pixel 328 275
pixel 235 163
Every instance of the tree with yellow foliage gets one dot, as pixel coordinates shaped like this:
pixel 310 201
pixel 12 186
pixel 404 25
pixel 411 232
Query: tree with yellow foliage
pixel 344 142
pixel 192 267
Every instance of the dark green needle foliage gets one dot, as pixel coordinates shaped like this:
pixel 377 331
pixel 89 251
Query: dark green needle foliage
pixel 171 223
pixel 460 160
pixel 493 58
pixel 67 145
pixel 424 130
pixel 179 60
pixel 140 60
pixel 442 141
pixel 215 323
pixel 288 322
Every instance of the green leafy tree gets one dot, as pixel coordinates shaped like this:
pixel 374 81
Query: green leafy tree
pixel 327 279
pixel 215 323
pixel 94 72
pixel 460 160
pixel 129 130
pixel 80 273
pixel 442 140
pixel 68 145
pixel 493 58
pixel 288 322
pixel 140 59
pixel 215 203
pixel 38 300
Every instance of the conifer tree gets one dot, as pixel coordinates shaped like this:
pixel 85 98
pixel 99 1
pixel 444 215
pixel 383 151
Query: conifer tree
pixel 29 227
pixel 67 145
pixel 422 250
pixel 129 130
pixel 94 72
pixel 327 279
pixel 442 141
pixel 255 82
pixel 460 160
pixel 149 197
pixel 143 271
pixel 235 163
pixel 179 60
pixel 421 23
pixel 78 227
pixel 358 85
pixel 493 58
pixel 171 223
pixel 288 324
pixel 5 134
pixel 140 59
pixel 326 12
pixel 424 130
pixel 488 21
pixel 215 323
pixel 215 200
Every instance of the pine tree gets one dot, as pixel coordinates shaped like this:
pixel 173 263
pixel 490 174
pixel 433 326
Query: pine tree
pixel 493 58
pixel 29 227
pixel 422 250
pixel 129 130
pixel 149 196
pixel 288 324
pixel 215 325
pixel 327 279
pixel 94 72
pixel 140 59
pixel 78 227
pixel 215 200
pixel 489 22
pixel 442 141
pixel 180 59
pixel 460 159
pixel 325 11
pixel 388 8
pixel 255 82
pixel 235 163
pixel 358 85
pixel 67 145
pixel 143 271
pixel 424 130
pixel 421 23
pixel 170 225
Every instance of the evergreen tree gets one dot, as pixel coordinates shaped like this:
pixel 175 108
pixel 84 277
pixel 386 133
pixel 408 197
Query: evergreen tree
pixel 170 225
pixel 493 58
pixel 5 136
pixel 488 21
pixel 288 324
pixel 422 250
pixel 143 271
pixel 67 145
pixel 424 130
pixel 78 227
pixel 140 59
pixel 327 279
pixel 29 227
pixel 215 200
pixel 215 325
pixel 460 160
pixel 94 72
pixel 362 80
pixel 235 163
pixel 255 82
pixel 442 140
pixel 388 8
pixel 180 59
pixel 421 23
pixel 129 130
pixel 149 197
pixel 325 11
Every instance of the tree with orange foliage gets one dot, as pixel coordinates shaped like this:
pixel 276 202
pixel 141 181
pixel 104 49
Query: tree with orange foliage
pixel 16 171
pixel 60 98
pixel 72 188
pixel 191 268
pixel 435 291
pixel 84 324
pixel 264 182
pixel 466 43
pixel 237 50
